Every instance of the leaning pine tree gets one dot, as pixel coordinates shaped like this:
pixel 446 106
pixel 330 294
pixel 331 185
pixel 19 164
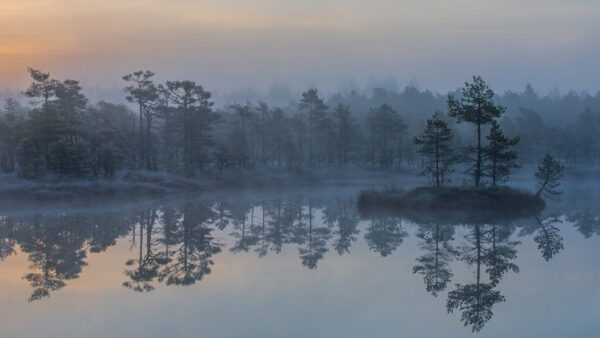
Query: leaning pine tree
pixel 435 147
pixel 548 174
pixel 501 160
pixel 475 106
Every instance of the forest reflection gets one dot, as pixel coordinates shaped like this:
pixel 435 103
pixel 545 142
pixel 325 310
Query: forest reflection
pixel 175 243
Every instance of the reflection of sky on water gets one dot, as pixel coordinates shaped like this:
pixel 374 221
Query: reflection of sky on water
pixel 357 294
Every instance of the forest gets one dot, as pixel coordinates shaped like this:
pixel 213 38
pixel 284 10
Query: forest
pixel 174 127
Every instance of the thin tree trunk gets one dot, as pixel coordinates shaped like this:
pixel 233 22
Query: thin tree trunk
pixel 478 163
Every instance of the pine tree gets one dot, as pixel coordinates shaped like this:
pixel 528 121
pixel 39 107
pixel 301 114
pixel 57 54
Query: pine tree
pixel 315 109
pixel 384 125
pixel 548 174
pixel 435 147
pixel 144 93
pixel 345 125
pixel 501 160
pixel 191 120
pixel 475 106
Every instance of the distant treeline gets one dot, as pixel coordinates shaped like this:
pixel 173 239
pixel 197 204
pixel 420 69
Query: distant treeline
pixel 174 127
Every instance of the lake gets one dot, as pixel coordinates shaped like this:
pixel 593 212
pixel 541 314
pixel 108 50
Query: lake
pixel 297 263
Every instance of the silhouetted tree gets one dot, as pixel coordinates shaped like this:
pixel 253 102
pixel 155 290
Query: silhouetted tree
pixel 475 106
pixel 11 126
pixel 144 93
pixel 345 125
pixel 315 110
pixel 549 172
pixel 277 131
pixel 435 146
pixel 111 145
pixel 501 160
pixel 244 115
pixel 44 121
pixel 191 121
pixel 385 126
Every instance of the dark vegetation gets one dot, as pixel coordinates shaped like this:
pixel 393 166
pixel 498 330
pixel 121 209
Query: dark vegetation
pixel 174 128
pixel 452 204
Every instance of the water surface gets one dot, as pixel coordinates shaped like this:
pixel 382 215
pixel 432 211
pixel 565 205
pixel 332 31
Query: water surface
pixel 300 263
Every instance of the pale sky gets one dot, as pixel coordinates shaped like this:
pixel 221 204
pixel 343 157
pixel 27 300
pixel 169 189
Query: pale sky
pixel 232 44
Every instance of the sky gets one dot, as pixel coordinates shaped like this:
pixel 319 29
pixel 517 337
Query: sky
pixel 329 44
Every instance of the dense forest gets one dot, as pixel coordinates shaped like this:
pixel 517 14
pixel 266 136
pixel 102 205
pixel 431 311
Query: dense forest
pixel 174 127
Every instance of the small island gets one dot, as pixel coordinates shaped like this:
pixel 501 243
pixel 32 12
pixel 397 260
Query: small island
pixel 495 161
pixel 452 204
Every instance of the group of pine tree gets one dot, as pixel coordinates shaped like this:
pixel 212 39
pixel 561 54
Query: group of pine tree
pixel 174 127
pixel 495 159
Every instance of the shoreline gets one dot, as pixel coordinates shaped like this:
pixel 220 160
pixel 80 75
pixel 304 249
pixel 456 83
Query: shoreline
pixel 135 184
pixel 452 204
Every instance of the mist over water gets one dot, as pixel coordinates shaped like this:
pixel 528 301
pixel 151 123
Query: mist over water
pixel 303 261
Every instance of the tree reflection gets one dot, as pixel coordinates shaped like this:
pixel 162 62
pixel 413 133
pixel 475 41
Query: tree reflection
pixel 474 300
pixel 548 238
pixel 586 222
pixel 276 234
pixel 195 246
pixel 146 266
pixel 244 235
pixel 434 265
pixel 176 243
pixel 385 234
pixel 56 251
pixel 7 243
pixel 261 234
pixel 501 251
pixel 315 240
pixel 340 213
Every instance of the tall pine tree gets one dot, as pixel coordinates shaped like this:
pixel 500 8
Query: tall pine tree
pixel 475 106
pixel 435 147
pixel 501 159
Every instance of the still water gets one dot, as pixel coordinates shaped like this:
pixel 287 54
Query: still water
pixel 297 264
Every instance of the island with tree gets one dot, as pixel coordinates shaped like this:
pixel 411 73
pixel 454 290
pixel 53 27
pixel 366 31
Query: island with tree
pixel 489 163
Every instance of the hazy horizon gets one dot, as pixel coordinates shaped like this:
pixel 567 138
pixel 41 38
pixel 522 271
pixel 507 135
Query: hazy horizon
pixel 232 45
